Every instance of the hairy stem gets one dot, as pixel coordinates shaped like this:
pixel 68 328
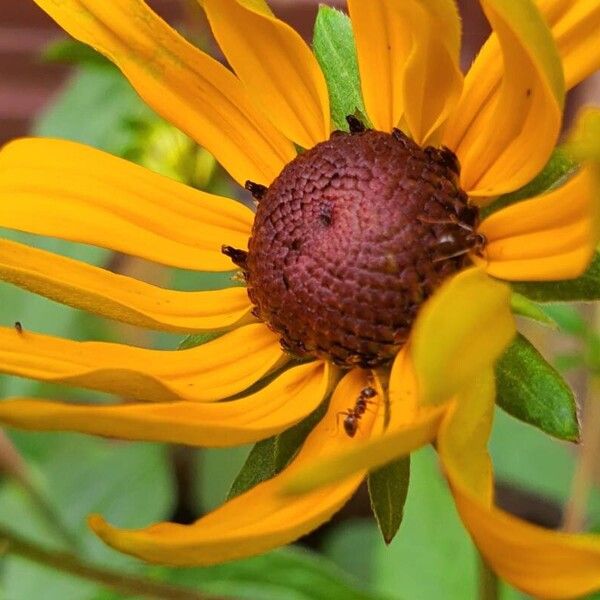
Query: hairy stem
pixel 489 584
pixel 124 583
pixel 587 459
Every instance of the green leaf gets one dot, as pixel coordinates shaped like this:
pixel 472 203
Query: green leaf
pixel 560 167
pixel 388 489
pixel 102 93
pixel 526 308
pixel 584 288
pixel 286 574
pixel 269 457
pixel 334 47
pixel 433 557
pixel 533 391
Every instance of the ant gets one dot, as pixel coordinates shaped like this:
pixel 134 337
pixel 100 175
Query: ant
pixel 353 415
pixel 18 327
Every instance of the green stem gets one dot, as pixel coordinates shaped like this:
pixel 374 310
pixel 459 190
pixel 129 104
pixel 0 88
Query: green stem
pixel 587 457
pixel 489 584
pixel 123 583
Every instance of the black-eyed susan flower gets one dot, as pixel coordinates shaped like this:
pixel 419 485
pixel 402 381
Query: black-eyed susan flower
pixel 370 274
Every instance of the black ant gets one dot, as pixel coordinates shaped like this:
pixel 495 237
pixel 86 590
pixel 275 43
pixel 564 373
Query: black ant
pixel 353 415
pixel 18 327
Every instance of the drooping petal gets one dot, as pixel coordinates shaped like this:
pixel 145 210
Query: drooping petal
pixel 410 427
pixel 118 297
pixel 574 25
pixel 550 237
pixel 184 85
pixel 71 191
pixel 261 518
pixel 276 66
pixel 216 370
pixel 408 58
pixel 465 432
pixel 511 139
pixel 461 330
pixel 543 563
pixel 279 405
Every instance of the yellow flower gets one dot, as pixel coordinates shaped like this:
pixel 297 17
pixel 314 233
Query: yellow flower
pixel 502 122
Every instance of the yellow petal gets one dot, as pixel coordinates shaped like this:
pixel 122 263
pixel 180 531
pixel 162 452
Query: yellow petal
pixel 464 435
pixel 461 330
pixel 261 518
pixel 408 60
pixel 574 25
pixel 216 370
pixel 432 79
pixel 584 140
pixel 276 407
pixel 70 191
pixel 382 45
pixel 550 237
pixel 276 66
pixel 118 297
pixel 540 562
pixel 512 137
pixel 184 85
pixel 410 427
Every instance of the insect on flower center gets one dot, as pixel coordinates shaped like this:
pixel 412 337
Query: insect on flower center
pixel 349 241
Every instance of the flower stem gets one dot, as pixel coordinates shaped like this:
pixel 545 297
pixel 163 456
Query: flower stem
pixel 583 479
pixel 489 584
pixel 587 458
pixel 124 583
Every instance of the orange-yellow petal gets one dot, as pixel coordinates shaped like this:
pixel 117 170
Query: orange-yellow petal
pixel 70 191
pixel 575 25
pixel 261 518
pixel 181 83
pixel 118 297
pixel 550 237
pixel 408 60
pixel 511 139
pixel 274 408
pixel 382 45
pixel 542 563
pixel 432 79
pixel 276 66
pixel 461 330
pixel 216 370
pixel 410 427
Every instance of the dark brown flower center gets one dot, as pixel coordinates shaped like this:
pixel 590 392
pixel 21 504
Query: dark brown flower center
pixel 349 241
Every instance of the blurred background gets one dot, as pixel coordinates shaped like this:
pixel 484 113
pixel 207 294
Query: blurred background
pixel 52 481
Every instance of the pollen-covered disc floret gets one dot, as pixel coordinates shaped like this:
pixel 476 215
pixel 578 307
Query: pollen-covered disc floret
pixel 349 241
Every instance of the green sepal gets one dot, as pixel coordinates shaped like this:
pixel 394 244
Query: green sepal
pixel 388 489
pixel 582 289
pixel 335 49
pixel 522 306
pixel 531 390
pixel 560 167
pixel 269 457
pixel 199 339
